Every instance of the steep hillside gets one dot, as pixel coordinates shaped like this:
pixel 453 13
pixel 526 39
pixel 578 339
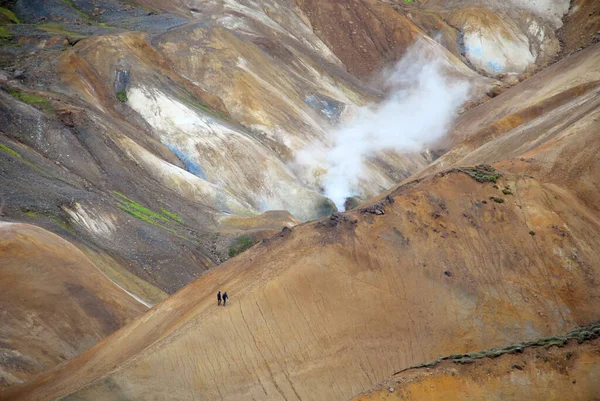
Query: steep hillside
pixel 493 37
pixel 329 308
pixel 548 369
pixel 163 124
pixel 54 302
pixel 546 127
pixel 166 118
pixel 161 139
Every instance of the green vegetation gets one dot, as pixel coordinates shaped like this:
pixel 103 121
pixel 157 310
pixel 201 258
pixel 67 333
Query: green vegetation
pixel 4 33
pixel 72 5
pixel 464 361
pixel 10 15
pixel 36 101
pixel 497 200
pixel 240 245
pixel 141 212
pixel 482 173
pixel 172 215
pixel 59 30
pixel 64 225
pixel 149 216
pixel 580 334
pixel 351 203
pixel 196 103
pixel 532 233
pixel 507 191
pixel 11 152
pixel 327 208
pixel 8 150
pixel 122 96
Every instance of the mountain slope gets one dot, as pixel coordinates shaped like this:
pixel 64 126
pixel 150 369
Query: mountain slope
pixel 157 138
pixel 201 109
pixel 546 127
pixel 164 125
pixel 54 303
pixel 551 369
pixel 382 293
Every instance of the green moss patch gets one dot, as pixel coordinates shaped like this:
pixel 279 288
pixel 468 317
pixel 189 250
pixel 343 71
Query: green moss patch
pixel 327 208
pixel 482 173
pixel 194 102
pixel 139 211
pixel 58 29
pixel 496 199
pixel 122 96
pixel 73 6
pixel 8 150
pixel 240 245
pixel 34 100
pixel 9 15
pixel 581 334
pixel 63 224
pixel 171 215
pixel 4 33
pixel 168 221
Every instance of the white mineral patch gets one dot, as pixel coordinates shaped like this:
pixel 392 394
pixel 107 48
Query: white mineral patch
pixel 551 10
pixel 254 13
pixel 98 223
pixel 229 160
pixel 536 30
pixel 183 182
pixel 574 10
pixel 489 50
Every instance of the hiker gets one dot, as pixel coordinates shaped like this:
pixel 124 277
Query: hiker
pixel 225 298
pixel 219 298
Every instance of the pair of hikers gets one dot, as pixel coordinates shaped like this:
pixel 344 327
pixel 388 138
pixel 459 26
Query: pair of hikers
pixel 222 297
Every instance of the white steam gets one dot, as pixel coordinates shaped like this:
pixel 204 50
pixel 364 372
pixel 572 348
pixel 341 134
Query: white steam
pixel 421 105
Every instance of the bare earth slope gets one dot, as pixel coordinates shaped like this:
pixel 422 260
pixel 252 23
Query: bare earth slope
pixel 54 302
pixel 552 371
pixel 152 140
pixel 196 110
pixel 332 307
pixel 546 127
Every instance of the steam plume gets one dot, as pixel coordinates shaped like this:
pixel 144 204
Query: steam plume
pixel 421 105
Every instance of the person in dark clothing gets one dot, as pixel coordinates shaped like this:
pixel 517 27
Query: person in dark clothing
pixel 225 298
pixel 219 298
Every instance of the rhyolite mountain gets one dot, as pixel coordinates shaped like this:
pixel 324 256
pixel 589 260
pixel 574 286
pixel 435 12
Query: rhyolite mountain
pixel 158 140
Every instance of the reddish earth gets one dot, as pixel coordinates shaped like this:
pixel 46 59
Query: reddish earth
pixel 54 302
pixel 444 262
pixel 553 373
pixel 156 143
